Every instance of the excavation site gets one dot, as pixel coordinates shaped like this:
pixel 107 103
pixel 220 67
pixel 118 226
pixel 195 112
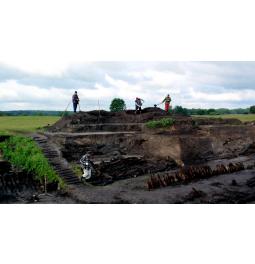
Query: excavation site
pixel 193 160
pixel 123 157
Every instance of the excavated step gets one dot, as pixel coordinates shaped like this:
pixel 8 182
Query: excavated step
pixel 55 160
pixel 96 133
pixel 114 127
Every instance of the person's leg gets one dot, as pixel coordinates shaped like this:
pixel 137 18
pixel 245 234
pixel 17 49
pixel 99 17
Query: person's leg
pixel 74 107
pixel 166 107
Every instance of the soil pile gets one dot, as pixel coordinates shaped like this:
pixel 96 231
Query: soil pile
pixel 105 117
pixel 80 122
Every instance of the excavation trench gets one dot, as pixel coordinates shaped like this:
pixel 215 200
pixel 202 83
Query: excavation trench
pixel 122 155
pixel 126 153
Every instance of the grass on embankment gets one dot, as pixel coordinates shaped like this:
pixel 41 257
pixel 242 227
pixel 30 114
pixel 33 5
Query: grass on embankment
pixel 25 124
pixel 24 154
pixel 164 122
pixel 241 117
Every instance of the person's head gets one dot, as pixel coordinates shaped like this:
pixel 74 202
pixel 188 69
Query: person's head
pixel 168 95
pixel 86 156
pixel 75 92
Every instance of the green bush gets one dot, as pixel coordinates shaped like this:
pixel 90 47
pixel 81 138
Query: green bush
pixel 252 109
pixel 23 153
pixel 164 122
pixel 180 110
pixel 117 105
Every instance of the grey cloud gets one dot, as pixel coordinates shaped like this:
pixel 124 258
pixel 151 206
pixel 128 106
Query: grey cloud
pixel 206 77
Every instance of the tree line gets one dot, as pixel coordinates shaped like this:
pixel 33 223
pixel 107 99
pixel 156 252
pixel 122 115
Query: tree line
pixel 213 111
pixel 31 113
pixel 119 106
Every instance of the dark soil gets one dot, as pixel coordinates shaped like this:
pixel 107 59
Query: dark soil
pixel 21 187
pixel 102 117
pixel 124 168
pixel 129 116
pixel 236 187
pixel 126 154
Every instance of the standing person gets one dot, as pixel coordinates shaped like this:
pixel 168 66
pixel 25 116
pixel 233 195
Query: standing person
pixel 167 101
pixel 138 104
pixel 75 100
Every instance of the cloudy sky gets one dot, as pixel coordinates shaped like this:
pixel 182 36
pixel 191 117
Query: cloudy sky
pixel 191 84
pixel 107 49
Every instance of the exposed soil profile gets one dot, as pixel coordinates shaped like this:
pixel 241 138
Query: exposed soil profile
pixel 192 161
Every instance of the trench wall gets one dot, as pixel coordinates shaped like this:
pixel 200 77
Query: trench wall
pixel 209 143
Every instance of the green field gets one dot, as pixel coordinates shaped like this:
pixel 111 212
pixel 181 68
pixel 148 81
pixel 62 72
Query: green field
pixel 243 118
pixel 25 124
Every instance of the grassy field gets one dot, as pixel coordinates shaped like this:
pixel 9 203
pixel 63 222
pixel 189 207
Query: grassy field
pixel 243 118
pixel 24 124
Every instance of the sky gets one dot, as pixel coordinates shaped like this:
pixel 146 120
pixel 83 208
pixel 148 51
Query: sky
pixel 49 49
pixel 190 84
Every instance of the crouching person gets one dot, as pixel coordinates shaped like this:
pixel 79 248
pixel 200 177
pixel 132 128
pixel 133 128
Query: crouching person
pixel 87 166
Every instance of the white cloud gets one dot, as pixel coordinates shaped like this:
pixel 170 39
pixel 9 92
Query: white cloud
pixel 233 96
pixel 18 96
pixel 162 79
pixel 190 84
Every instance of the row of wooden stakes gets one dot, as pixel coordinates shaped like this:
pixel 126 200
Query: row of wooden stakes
pixel 190 173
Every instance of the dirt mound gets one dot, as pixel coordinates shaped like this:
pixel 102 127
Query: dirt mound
pixel 105 117
pixel 82 121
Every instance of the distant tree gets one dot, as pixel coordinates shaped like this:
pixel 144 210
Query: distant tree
pixel 180 110
pixel 223 111
pixel 117 105
pixel 212 111
pixel 252 109
pixel 201 112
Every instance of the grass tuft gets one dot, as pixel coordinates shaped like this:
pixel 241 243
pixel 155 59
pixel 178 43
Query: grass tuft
pixel 164 122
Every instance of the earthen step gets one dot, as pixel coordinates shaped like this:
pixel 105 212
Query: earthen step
pixel 73 181
pixel 64 169
pixel 67 174
pixel 49 151
pixel 41 141
pixel 69 178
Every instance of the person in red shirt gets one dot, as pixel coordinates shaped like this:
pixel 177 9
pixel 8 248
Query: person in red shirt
pixel 167 101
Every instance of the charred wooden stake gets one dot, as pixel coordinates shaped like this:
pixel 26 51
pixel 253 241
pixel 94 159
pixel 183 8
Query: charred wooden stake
pixel 190 173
